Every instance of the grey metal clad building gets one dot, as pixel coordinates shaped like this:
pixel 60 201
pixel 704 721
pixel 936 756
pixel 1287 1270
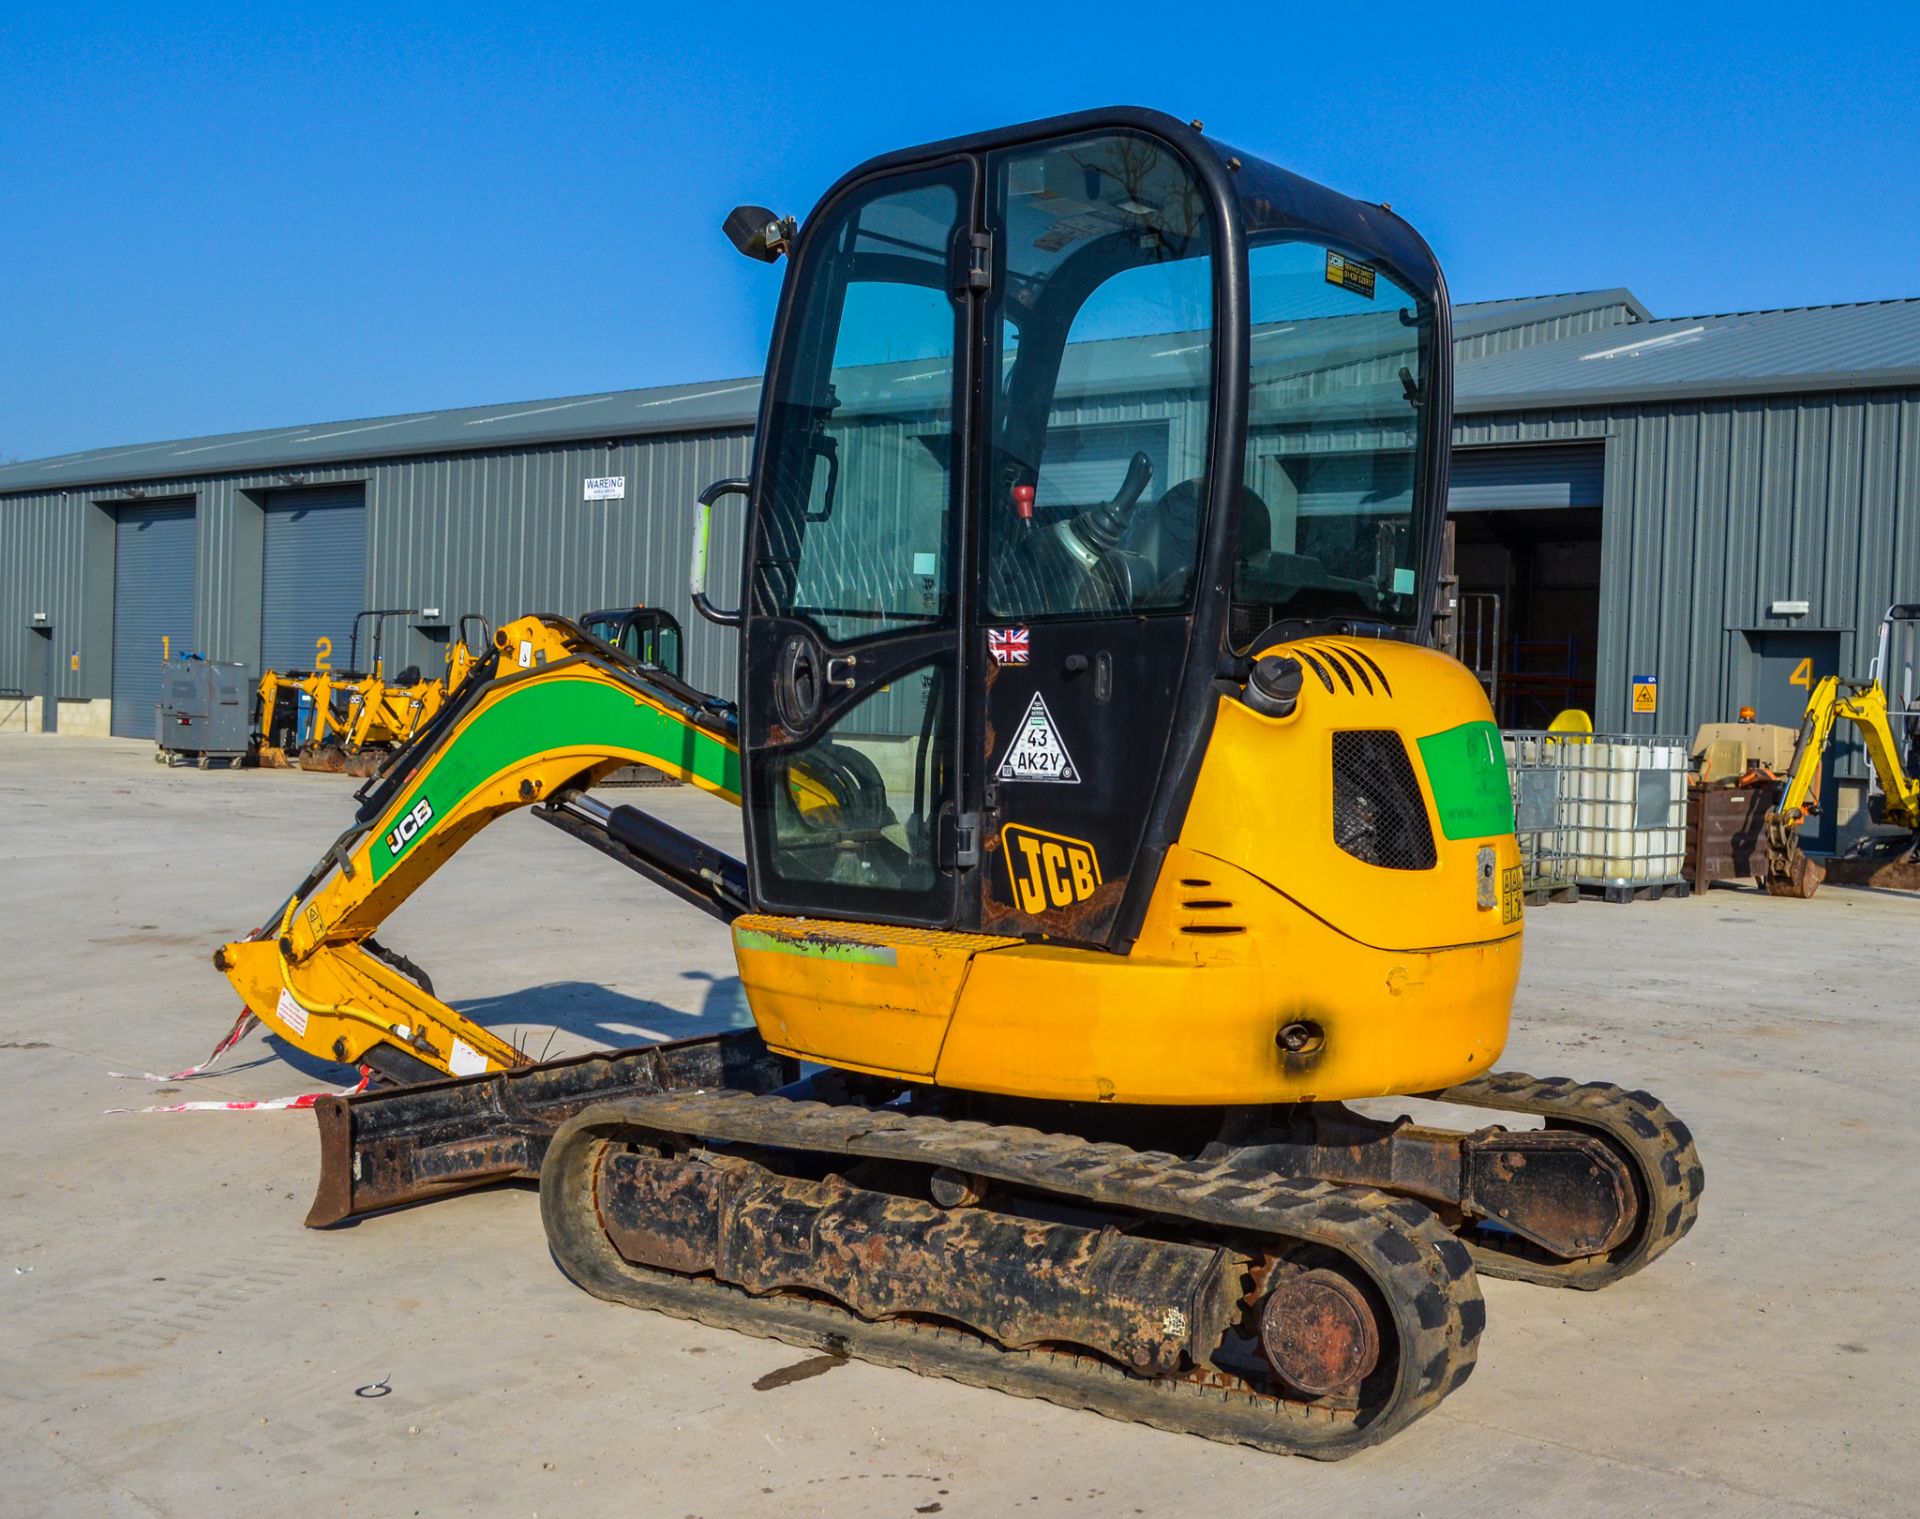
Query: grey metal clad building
pixel 264 543
pixel 1631 497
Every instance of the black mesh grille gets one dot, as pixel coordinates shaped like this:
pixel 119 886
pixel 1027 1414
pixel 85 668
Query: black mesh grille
pixel 1378 813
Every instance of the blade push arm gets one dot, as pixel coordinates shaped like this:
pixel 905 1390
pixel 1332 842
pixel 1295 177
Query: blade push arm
pixel 549 711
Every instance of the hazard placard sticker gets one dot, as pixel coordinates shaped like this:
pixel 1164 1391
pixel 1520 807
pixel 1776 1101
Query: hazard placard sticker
pixel 1037 752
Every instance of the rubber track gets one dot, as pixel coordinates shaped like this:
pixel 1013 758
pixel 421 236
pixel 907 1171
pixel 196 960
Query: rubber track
pixel 1659 1147
pixel 1419 1267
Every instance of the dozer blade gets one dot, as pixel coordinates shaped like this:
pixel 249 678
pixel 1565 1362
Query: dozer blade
pixel 1895 869
pixel 380 1149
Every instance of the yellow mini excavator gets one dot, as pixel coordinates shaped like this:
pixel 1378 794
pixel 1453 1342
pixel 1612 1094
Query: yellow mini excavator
pixel 1885 708
pixel 1108 828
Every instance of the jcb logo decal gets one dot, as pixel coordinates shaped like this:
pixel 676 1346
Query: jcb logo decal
pixel 1048 869
pixel 404 831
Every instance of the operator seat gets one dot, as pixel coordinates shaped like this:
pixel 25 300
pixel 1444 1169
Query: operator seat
pixel 1168 536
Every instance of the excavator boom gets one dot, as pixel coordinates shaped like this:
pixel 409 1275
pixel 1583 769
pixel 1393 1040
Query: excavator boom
pixel 540 718
pixel 1790 872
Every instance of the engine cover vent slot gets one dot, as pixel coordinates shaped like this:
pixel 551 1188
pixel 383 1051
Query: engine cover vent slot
pixel 1379 813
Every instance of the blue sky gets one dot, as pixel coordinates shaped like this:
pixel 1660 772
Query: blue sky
pixel 213 220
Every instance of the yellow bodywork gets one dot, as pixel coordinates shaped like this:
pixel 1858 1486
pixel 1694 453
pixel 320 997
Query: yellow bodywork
pixel 1272 964
pixel 1258 922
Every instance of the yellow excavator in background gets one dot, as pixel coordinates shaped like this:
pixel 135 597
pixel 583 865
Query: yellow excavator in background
pixel 1108 827
pixel 382 715
pixel 350 720
pixel 1889 726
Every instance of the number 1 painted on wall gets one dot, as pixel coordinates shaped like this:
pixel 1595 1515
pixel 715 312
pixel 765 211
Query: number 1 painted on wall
pixel 1802 674
pixel 166 647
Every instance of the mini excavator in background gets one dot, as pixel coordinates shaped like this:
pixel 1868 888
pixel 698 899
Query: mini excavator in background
pixel 1109 826
pixel 1885 708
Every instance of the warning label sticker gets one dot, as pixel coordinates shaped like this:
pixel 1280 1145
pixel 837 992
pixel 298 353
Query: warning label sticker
pixel 1037 753
pixel 291 1013
pixel 465 1060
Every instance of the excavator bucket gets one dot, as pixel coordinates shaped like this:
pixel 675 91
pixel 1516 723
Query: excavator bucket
pixel 1798 876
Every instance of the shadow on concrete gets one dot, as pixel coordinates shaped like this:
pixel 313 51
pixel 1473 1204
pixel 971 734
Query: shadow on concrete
pixel 589 1011
pixel 578 1008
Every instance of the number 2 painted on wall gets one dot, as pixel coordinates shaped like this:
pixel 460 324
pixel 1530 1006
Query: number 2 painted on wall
pixel 323 653
pixel 1802 674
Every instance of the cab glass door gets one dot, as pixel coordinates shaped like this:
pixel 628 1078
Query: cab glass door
pixel 850 683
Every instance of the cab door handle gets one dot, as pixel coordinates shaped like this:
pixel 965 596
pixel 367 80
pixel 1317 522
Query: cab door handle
pixel 840 669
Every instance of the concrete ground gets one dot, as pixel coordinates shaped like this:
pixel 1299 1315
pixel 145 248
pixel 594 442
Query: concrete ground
pixel 172 1341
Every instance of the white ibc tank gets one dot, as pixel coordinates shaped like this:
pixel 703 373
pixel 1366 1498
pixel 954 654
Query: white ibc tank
pixel 1630 811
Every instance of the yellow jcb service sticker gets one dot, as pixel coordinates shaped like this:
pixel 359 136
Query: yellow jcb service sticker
pixel 1048 869
pixel 1512 898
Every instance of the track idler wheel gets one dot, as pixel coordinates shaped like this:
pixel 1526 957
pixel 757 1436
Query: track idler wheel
pixel 1319 1333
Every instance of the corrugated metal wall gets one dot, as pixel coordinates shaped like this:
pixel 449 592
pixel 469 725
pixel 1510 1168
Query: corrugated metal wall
pixel 1715 509
pixel 499 533
pixel 42 565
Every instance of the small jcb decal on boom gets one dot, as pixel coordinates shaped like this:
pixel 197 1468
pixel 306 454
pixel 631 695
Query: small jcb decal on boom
pixel 1048 870
pixel 405 830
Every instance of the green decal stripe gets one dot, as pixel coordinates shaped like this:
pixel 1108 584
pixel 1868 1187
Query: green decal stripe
pixel 558 714
pixel 818 949
pixel 1467 771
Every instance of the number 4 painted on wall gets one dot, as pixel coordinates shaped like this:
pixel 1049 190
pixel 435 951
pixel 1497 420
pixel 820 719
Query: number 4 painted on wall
pixel 1802 674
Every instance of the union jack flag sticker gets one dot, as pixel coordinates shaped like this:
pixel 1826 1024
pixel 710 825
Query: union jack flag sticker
pixel 1008 646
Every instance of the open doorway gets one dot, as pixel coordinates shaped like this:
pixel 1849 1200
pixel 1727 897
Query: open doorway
pixel 1525 546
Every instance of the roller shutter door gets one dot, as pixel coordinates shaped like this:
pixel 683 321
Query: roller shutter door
pixel 152 606
pixel 313 574
pixel 1526 479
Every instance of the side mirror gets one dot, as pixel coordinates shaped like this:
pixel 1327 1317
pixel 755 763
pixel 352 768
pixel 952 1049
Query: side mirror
pixel 758 233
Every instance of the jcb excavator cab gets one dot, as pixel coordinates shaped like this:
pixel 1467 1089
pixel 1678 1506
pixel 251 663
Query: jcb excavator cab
pixel 1063 426
pixel 650 635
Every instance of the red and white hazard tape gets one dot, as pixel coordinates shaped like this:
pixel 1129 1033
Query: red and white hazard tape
pixel 234 1035
pixel 260 1105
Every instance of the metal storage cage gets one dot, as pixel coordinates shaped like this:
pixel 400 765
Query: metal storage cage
pixel 1543 812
